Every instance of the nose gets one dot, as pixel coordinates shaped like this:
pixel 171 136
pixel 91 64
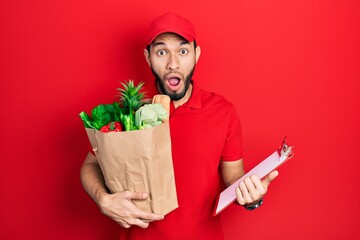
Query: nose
pixel 173 62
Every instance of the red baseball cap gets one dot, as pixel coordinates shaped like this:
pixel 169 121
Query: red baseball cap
pixel 170 22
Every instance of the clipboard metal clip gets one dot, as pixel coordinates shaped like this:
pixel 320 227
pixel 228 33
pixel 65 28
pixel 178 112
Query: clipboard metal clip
pixel 285 151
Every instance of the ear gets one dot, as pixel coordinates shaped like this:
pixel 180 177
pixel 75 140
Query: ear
pixel 197 53
pixel 147 56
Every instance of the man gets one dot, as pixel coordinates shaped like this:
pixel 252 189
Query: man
pixel 206 147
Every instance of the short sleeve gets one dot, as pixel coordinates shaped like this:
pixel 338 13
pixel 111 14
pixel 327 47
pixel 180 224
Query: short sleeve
pixel 233 144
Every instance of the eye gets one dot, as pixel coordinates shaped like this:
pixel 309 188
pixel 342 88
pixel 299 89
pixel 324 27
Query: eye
pixel 161 52
pixel 183 51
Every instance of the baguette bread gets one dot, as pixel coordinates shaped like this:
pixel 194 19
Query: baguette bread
pixel 164 100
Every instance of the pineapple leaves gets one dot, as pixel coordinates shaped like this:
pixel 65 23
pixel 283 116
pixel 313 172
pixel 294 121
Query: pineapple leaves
pixel 130 96
pixel 131 99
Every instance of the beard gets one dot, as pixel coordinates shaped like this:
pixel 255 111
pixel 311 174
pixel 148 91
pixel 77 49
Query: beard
pixel 173 95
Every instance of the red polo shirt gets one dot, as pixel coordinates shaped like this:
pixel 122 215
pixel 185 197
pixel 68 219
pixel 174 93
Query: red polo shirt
pixel 204 131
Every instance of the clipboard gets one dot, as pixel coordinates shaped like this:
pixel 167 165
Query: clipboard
pixel 275 160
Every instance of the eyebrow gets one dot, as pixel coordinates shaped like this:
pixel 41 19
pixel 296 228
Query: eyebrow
pixel 162 43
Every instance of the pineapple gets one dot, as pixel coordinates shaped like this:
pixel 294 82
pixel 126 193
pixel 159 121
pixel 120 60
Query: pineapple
pixel 131 100
pixel 130 96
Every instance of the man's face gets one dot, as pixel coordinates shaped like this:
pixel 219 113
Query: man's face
pixel 172 60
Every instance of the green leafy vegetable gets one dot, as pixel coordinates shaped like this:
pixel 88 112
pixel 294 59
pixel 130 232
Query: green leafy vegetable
pixel 101 115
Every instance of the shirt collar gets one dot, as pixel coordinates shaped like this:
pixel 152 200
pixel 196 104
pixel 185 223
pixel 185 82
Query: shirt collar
pixel 194 101
pixel 195 98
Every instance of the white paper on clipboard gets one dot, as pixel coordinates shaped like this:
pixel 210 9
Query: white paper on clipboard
pixel 261 170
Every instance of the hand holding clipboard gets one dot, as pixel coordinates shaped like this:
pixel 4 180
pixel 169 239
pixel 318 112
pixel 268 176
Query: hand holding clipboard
pixel 275 160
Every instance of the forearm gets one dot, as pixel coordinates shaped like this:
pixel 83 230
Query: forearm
pixel 231 171
pixel 234 179
pixel 92 178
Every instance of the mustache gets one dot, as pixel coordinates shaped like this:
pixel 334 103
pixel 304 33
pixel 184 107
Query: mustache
pixel 174 72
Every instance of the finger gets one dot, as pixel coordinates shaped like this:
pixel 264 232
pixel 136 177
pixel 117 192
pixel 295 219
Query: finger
pixel 245 192
pixel 146 216
pixel 255 187
pixel 139 218
pixel 240 199
pixel 269 178
pixel 251 189
pixel 139 214
pixel 139 222
pixel 124 224
pixel 259 186
pixel 136 195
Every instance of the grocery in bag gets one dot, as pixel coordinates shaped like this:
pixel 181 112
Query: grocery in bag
pixel 135 156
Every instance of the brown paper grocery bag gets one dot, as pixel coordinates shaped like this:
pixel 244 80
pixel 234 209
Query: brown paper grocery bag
pixel 138 161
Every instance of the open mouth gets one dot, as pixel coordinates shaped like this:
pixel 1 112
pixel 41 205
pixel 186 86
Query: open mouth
pixel 173 83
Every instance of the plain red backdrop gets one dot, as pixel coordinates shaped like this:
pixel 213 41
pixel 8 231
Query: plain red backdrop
pixel 290 67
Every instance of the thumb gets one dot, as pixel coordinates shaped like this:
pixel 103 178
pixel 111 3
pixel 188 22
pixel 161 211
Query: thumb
pixel 270 177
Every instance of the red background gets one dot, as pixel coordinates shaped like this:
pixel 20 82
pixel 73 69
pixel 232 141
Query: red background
pixel 290 67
